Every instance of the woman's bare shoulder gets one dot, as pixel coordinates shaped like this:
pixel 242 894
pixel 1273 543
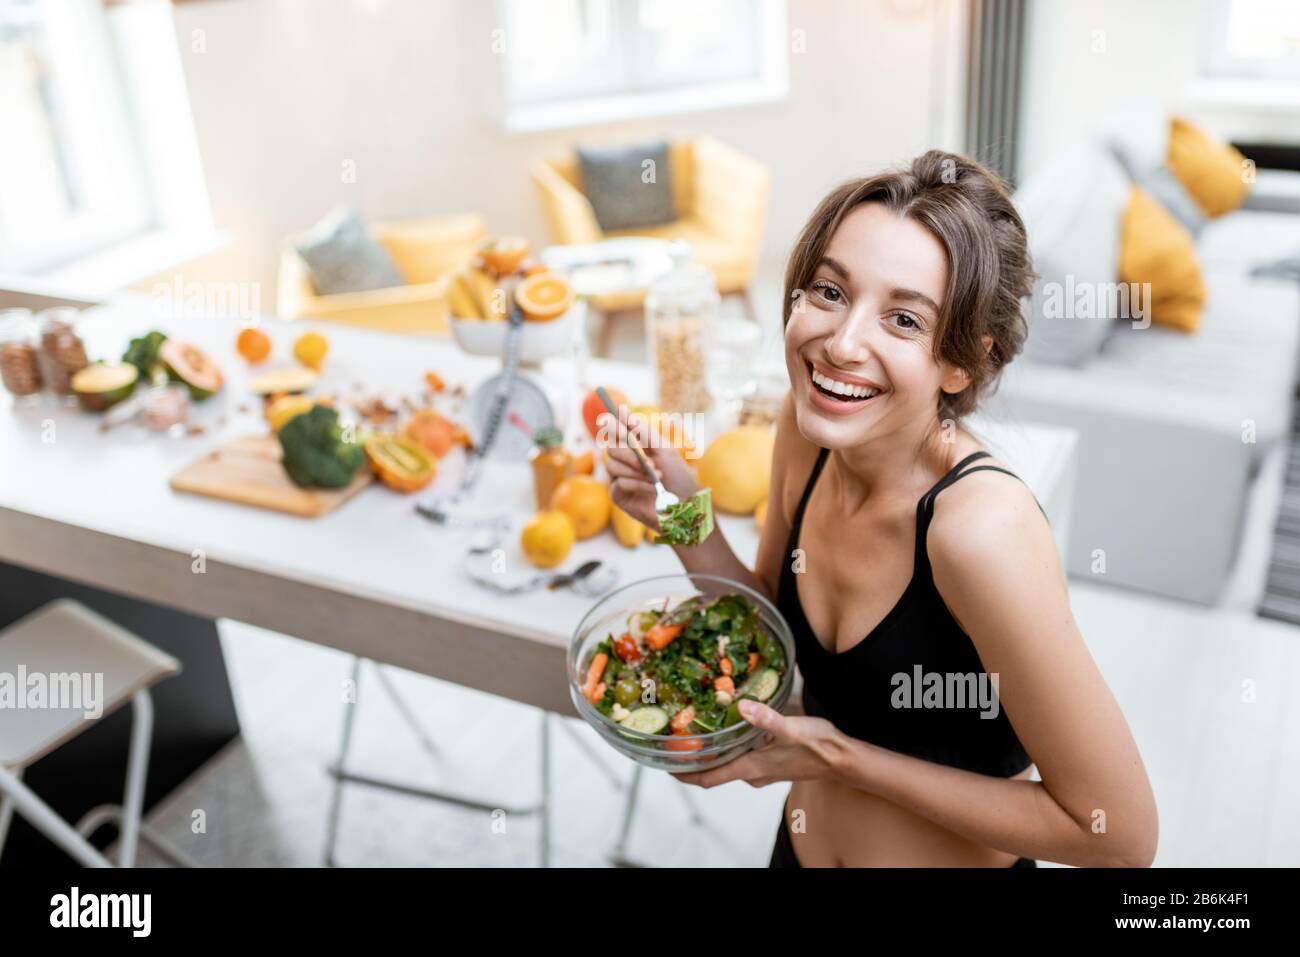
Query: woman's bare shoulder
pixel 793 457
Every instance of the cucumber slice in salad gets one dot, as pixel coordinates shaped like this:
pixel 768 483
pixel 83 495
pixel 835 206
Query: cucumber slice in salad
pixel 648 720
pixel 762 685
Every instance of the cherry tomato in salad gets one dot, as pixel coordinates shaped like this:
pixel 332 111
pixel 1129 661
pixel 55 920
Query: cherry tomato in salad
pixel 626 648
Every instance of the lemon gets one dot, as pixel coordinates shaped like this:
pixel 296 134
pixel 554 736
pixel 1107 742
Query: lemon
pixel 627 529
pixel 285 408
pixel 547 538
pixel 310 349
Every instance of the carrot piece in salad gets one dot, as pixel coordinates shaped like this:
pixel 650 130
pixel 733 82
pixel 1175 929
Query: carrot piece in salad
pixel 660 637
pixel 682 719
pixel 724 684
pixel 593 689
pixel 753 662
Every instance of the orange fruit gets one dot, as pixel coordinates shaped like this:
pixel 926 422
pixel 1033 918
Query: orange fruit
pixel 584 463
pixel 586 501
pixel 547 538
pixel 433 431
pixel 592 408
pixel 502 256
pixel 253 344
pixel 544 296
pixel 668 428
pixel 310 349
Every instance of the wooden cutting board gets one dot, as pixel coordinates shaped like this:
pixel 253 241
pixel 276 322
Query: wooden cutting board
pixel 248 471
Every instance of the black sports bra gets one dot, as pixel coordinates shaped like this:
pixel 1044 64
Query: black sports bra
pixel 915 684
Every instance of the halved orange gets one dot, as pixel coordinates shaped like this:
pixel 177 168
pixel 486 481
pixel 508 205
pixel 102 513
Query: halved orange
pixel 544 296
pixel 503 256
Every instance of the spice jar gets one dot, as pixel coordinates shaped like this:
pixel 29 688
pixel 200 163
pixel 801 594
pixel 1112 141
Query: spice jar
pixel 20 369
pixel 680 308
pixel 551 462
pixel 166 408
pixel 62 354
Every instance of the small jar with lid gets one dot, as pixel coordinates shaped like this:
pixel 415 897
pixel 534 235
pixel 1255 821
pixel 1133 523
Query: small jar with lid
pixel 62 353
pixel 680 309
pixel 20 369
pixel 551 462
pixel 166 408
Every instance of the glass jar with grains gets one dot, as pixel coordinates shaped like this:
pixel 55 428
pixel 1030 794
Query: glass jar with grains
pixel 20 369
pixel 62 353
pixel 679 311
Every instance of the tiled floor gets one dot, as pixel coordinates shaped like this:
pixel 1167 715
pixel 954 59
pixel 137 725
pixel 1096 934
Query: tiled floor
pixel 266 798
pixel 1208 694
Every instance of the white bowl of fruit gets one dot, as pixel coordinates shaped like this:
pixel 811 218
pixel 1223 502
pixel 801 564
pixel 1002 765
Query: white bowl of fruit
pixel 480 300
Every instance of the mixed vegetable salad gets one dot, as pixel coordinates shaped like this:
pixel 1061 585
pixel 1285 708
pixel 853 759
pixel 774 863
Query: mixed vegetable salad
pixel 684 671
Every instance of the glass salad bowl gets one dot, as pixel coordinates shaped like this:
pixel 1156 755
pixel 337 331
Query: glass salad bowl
pixel 656 696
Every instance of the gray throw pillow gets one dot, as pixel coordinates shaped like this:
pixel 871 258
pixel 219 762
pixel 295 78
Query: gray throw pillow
pixel 1164 187
pixel 342 256
pixel 628 186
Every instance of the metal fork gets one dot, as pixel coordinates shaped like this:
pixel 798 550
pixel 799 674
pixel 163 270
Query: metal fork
pixel 663 498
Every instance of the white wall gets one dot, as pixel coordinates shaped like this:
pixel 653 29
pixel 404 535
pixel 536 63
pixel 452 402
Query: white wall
pixel 1091 64
pixel 286 90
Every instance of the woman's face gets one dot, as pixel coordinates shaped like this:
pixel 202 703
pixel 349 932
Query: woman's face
pixel 858 343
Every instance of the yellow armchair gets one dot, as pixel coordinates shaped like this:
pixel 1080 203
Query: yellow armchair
pixel 424 251
pixel 720 196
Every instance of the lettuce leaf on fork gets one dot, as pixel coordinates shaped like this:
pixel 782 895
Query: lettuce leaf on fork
pixel 689 522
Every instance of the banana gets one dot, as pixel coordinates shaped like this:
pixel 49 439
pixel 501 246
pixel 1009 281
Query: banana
pixel 484 289
pixel 460 297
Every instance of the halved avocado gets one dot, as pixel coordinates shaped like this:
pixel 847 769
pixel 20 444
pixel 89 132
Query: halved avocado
pixel 192 367
pixel 288 381
pixel 104 384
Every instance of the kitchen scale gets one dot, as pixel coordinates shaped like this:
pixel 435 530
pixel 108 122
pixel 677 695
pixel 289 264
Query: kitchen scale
pixel 503 412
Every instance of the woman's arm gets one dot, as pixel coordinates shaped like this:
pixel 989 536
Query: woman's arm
pixel 632 492
pixel 996 566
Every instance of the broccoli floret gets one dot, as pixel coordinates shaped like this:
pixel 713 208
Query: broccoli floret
pixel 315 453
pixel 142 352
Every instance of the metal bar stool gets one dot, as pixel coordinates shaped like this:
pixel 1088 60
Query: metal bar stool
pixel 339 771
pixel 63 644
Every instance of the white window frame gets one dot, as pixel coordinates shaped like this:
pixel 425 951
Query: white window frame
pixel 772 83
pixel 102 143
pixel 1218 65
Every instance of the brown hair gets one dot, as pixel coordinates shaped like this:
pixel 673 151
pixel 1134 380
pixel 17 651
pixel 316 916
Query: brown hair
pixel 968 208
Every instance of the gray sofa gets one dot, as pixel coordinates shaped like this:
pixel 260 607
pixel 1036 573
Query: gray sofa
pixel 1172 426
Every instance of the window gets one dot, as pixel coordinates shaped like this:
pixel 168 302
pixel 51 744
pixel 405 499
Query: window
pixel 1253 39
pixel 71 177
pixel 573 62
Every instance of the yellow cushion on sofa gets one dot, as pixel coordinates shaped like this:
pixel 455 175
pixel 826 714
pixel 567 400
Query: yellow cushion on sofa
pixel 1155 248
pixel 1211 170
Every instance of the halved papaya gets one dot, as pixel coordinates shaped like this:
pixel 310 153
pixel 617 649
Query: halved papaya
pixel 192 367
pixel 401 463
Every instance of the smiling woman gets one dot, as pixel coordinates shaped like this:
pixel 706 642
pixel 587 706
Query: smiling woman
pixel 903 304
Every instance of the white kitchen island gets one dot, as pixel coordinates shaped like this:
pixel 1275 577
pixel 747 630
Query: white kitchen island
pixel 93 509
